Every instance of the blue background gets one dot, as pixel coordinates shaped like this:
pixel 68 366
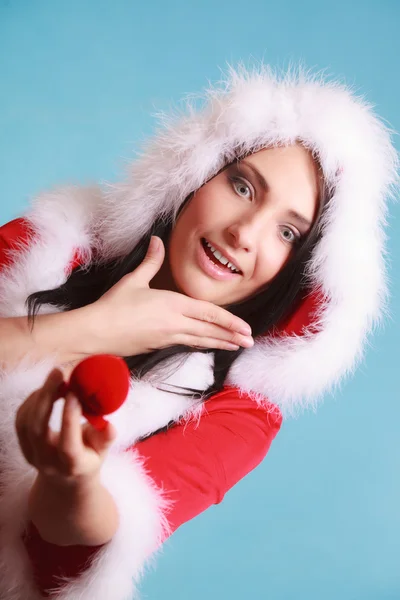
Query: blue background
pixel 80 81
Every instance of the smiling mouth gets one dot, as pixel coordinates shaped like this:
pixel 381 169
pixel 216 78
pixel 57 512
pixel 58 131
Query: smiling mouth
pixel 211 256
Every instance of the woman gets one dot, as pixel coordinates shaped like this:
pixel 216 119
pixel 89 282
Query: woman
pixel 270 204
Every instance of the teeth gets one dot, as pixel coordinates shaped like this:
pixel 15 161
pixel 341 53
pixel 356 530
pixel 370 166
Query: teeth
pixel 222 259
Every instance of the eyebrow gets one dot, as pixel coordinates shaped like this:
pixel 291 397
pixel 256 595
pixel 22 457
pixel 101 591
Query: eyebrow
pixel 260 178
pixel 264 185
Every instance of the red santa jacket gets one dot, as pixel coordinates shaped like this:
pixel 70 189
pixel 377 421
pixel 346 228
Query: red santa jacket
pixel 194 463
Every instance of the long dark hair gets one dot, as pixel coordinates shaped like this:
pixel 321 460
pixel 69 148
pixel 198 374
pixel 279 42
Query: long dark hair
pixel 263 311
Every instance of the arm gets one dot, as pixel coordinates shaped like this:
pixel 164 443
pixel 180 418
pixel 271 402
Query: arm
pixel 81 513
pixel 194 465
pixel 59 332
pixel 63 513
pixel 198 465
pixel 67 502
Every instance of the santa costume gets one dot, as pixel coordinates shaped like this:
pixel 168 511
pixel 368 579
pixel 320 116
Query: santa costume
pixel 166 479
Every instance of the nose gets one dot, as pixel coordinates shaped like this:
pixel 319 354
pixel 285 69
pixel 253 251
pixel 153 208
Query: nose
pixel 243 234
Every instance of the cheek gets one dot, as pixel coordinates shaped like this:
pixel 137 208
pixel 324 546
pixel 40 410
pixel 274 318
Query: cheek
pixel 274 258
pixel 200 215
pixel 192 222
pixel 203 210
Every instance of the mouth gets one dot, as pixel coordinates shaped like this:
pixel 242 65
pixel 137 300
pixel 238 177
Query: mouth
pixel 212 265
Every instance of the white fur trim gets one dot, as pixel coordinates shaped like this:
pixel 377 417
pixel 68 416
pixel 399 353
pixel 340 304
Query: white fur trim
pixel 143 526
pixel 250 111
pixel 116 569
pixel 141 505
pixel 62 222
pixel 16 582
pixel 247 112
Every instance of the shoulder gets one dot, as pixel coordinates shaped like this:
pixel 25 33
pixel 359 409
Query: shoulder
pixel 232 399
pixel 228 418
pixel 236 417
pixel 238 431
pixel 19 235
pixel 14 232
pixel 14 236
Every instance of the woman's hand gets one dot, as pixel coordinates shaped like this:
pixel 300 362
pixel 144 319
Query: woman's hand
pixel 67 503
pixel 74 454
pixel 131 318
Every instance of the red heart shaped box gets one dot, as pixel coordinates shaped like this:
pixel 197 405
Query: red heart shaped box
pixel 101 384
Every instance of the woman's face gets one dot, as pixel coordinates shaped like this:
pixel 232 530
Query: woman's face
pixel 253 213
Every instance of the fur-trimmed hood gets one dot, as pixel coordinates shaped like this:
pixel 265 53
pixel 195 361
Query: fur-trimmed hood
pixel 247 112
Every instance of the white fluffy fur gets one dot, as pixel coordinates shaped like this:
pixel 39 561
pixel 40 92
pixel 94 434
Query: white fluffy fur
pixel 250 111
pixel 118 566
pixel 247 112
pixel 141 505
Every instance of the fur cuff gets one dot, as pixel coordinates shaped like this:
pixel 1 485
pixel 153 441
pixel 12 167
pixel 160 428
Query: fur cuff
pixel 116 569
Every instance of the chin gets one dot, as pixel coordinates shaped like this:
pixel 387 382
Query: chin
pixel 194 286
pixel 199 290
pixel 196 290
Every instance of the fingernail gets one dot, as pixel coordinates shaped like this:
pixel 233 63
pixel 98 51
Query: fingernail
pixel 245 329
pixel 232 347
pixel 248 342
pixel 155 241
pixel 73 400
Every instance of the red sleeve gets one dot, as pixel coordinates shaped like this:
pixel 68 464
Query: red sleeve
pixel 199 464
pixel 13 235
pixel 195 464
pixel 18 234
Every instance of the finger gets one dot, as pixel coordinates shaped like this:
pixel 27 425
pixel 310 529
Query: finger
pixel 41 438
pixel 152 262
pixel 211 313
pixel 42 409
pixel 208 330
pixel 70 439
pixel 100 441
pixel 207 342
pixel 24 422
pixel 22 428
pixel 33 417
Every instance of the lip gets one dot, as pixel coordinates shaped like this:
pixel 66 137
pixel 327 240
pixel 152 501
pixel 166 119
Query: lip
pixel 225 253
pixel 211 268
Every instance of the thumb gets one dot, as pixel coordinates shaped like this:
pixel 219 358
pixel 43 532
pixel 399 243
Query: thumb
pixel 152 261
pixel 100 441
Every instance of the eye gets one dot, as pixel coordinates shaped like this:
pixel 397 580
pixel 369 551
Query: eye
pixel 290 235
pixel 241 187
